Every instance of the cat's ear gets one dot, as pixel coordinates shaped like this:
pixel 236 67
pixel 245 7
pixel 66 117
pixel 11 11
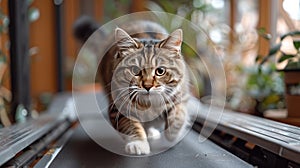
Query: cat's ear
pixel 124 41
pixel 174 41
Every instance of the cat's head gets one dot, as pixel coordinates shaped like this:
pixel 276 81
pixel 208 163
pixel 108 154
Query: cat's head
pixel 148 73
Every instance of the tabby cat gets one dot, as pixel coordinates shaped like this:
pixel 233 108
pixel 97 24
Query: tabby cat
pixel 145 76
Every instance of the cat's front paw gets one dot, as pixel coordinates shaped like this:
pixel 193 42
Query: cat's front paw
pixel 137 147
pixel 171 136
pixel 153 133
pixel 173 133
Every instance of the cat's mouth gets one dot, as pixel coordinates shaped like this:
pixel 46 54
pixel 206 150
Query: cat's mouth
pixel 147 99
pixel 144 92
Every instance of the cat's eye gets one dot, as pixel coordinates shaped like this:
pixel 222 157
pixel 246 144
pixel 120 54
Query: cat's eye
pixel 160 71
pixel 135 70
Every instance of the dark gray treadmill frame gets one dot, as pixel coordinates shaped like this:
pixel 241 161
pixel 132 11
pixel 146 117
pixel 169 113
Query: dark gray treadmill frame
pixel 279 138
pixel 16 138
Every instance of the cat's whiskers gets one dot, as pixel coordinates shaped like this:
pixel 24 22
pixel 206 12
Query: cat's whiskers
pixel 164 106
pixel 110 83
pixel 135 108
pixel 166 109
pixel 130 97
pixel 172 91
pixel 126 98
pixel 121 95
pixel 123 91
pixel 128 111
pixel 172 117
pixel 107 94
pixel 133 100
pixel 115 90
pixel 111 105
pixel 117 120
pixel 169 100
pixel 120 108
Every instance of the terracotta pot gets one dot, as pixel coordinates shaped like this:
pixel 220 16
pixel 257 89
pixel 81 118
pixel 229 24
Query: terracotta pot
pixel 292 79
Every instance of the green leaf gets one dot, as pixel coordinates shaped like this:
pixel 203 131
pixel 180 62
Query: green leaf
pixel 205 8
pixel 168 6
pixel 265 59
pixel 259 70
pixel 285 57
pixel 297 44
pixel 261 30
pixel 293 33
pixel 292 65
pixel 188 16
pixel 263 33
pixel 258 57
pixel 153 6
pixel 274 49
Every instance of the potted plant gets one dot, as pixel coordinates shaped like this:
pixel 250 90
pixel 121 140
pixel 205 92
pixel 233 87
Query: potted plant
pixel 290 59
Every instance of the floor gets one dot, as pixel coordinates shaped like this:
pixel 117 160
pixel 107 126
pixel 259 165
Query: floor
pixel 82 151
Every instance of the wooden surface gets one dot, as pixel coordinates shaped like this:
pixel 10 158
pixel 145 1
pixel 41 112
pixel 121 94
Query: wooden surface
pixel 267 20
pixel 43 63
pixel 280 115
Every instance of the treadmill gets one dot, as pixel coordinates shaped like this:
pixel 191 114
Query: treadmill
pixel 57 139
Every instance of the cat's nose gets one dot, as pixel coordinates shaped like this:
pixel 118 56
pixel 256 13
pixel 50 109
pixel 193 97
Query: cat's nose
pixel 147 86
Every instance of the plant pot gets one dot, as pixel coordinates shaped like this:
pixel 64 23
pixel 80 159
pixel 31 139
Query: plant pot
pixel 292 92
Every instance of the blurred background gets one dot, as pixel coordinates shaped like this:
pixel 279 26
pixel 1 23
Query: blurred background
pixel 243 32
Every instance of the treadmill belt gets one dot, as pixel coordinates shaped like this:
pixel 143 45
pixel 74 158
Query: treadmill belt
pixel 81 152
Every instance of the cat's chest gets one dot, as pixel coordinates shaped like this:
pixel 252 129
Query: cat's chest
pixel 158 123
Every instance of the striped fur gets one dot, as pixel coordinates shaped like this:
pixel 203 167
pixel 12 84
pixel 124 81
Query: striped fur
pixel 145 76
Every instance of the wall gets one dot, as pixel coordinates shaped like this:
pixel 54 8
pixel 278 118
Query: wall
pixel 43 63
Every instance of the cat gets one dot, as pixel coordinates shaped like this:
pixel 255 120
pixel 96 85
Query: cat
pixel 145 77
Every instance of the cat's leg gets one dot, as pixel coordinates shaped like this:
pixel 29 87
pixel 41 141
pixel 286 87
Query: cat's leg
pixel 135 136
pixel 176 120
pixel 153 133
